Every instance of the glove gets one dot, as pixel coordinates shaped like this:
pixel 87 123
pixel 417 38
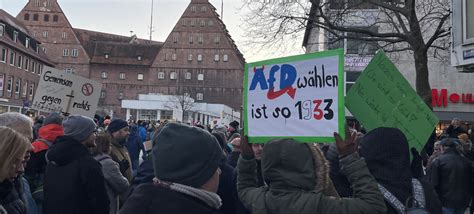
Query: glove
pixel 124 165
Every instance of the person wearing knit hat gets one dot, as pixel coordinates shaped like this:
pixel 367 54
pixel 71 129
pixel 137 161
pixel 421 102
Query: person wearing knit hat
pixel 73 181
pixel 186 161
pixel 118 130
pixel 233 130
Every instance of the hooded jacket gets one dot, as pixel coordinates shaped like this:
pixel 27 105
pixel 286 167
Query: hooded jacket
pixel 37 164
pixel 387 155
pixel 298 182
pixel 134 144
pixel 73 182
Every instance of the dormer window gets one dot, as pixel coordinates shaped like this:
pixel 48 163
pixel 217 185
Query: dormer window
pixel 15 36
pixel 27 43
pixel 2 29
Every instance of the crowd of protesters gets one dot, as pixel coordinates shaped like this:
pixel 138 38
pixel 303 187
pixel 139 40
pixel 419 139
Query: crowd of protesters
pixel 76 164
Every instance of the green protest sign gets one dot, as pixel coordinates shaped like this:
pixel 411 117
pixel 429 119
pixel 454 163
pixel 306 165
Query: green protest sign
pixel 382 97
pixel 300 97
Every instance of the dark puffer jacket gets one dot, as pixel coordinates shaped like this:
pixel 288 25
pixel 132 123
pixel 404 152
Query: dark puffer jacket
pixel 386 152
pixel 73 182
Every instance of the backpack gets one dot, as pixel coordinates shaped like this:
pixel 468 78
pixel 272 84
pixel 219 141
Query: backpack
pixel 418 205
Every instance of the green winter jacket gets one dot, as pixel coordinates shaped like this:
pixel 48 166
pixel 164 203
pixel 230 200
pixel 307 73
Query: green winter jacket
pixel 289 172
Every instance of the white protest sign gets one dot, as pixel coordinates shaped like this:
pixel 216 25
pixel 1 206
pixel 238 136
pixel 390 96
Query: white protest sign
pixel 301 97
pixel 67 93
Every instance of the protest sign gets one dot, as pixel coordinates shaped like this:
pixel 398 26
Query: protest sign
pixel 382 97
pixel 67 93
pixel 300 97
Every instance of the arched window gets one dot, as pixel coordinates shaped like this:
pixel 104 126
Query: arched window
pixel 27 16
pixel 55 18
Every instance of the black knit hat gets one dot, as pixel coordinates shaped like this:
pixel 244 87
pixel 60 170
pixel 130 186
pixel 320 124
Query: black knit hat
pixel 116 125
pixel 185 155
pixel 234 124
pixel 53 118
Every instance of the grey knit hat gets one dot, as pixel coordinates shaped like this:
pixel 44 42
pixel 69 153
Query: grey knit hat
pixel 78 127
pixel 185 155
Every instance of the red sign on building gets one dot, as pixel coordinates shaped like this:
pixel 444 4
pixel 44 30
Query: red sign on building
pixel 441 97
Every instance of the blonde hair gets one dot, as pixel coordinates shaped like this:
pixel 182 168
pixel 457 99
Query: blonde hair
pixel 13 147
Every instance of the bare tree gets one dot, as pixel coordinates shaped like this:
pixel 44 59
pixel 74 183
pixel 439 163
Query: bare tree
pixel 419 27
pixel 182 102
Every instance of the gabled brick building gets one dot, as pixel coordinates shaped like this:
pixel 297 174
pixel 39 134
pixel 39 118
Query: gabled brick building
pixel 199 57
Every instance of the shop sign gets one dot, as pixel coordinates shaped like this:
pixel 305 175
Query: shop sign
pixel 441 97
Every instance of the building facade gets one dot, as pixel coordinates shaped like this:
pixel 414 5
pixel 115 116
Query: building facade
pixel 198 58
pixel 21 62
pixel 452 90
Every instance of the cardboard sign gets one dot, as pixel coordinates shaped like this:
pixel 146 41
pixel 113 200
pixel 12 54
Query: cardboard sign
pixel 300 97
pixel 67 93
pixel 382 97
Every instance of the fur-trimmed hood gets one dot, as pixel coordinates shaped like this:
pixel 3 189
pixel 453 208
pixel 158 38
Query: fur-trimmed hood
pixel 289 165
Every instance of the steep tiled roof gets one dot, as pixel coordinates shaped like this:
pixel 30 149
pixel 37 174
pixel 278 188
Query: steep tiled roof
pixel 120 49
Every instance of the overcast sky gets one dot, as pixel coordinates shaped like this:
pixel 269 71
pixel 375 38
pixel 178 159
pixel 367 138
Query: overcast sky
pixel 122 16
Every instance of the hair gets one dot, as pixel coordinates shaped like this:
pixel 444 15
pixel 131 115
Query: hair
pixel 18 122
pixel 13 146
pixel 102 145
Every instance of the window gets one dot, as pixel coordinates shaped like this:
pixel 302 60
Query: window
pixel 69 70
pixel 103 75
pixel 199 57
pixel 46 18
pixel 33 66
pixel 120 95
pixel 122 76
pixel 360 47
pixel 200 77
pixel 63 35
pixel 217 39
pixel 40 69
pixel 25 89
pixel 35 33
pixel 161 75
pixel 27 43
pixel 203 23
pixel 74 52
pixel 167 57
pixel 140 77
pixel 12 58
pixel 19 63
pixel 210 23
pixel 26 66
pixel 191 39
pixel 200 40
pixel 66 52
pixel 32 88
pixel 193 22
pixel 173 75
pixel 35 17
pixel 44 49
pixel 184 22
pixel 45 34
pixel 9 84
pixel 187 75
pixel 55 18
pixel 199 96
pixel 216 57
pixel 193 8
pixel 468 21
pixel 173 57
pixel 225 58
pixel 139 58
pixel 203 9
pixel 27 16
pixel 4 55
pixel 15 36
pixel 2 29
pixel 106 55
pixel 17 86
pixel 190 57
pixel 102 94
pixel 175 39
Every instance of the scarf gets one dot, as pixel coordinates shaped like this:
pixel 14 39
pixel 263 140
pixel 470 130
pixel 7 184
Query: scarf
pixel 211 199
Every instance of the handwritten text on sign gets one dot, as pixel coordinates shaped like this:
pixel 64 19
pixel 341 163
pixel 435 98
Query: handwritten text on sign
pixel 382 97
pixel 295 97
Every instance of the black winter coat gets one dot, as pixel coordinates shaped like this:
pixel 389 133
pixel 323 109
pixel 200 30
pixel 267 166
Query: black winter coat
pixel 451 177
pixel 11 196
pixel 150 199
pixel 227 187
pixel 73 182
